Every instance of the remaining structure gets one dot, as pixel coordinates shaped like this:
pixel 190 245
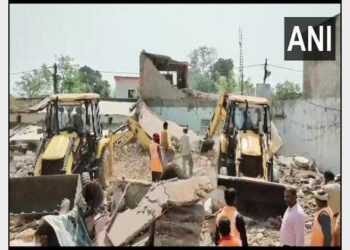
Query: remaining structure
pixel 312 126
pixel 126 87
pixel 322 78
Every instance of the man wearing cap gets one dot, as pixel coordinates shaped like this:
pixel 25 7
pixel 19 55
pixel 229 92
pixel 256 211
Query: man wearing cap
pixel 186 152
pixel 156 158
pixel 322 231
pixel 333 190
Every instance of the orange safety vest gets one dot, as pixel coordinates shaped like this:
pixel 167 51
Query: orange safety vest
pixel 230 241
pixel 317 237
pixel 231 214
pixel 156 165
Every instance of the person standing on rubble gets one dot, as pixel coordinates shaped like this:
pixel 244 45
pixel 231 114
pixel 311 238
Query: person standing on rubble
pixel 322 231
pixel 165 144
pixel 185 149
pixel 333 190
pixel 293 223
pixel 238 229
pixel 156 158
pixel 226 239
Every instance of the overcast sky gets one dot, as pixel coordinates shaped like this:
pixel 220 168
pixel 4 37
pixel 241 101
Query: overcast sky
pixel 111 37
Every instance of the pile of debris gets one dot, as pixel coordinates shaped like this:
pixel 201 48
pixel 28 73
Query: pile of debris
pixel 21 160
pixel 139 214
pixel 132 162
pixel 162 215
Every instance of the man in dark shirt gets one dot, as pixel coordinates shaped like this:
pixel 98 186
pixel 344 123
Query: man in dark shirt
pixel 238 228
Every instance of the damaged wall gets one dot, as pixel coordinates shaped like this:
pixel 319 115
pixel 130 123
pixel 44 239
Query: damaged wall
pixel 197 118
pixel 151 80
pixel 306 127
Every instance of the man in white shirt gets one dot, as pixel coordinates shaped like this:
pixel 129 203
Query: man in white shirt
pixel 185 149
pixel 62 118
pixel 293 223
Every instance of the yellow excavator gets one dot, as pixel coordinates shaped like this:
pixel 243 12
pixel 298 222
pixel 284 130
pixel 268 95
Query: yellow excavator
pixel 245 157
pixel 73 143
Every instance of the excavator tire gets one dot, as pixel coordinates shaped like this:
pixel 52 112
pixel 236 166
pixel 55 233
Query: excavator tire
pixel 104 169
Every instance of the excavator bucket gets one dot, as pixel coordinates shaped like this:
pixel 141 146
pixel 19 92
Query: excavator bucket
pixel 206 145
pixel 41 195
pixel 256 198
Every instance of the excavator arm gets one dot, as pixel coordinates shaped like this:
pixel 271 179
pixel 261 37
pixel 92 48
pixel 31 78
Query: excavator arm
pixel 122 135
pixel 218 116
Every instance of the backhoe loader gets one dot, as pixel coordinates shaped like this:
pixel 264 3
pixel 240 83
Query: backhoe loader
pixel 245 158
pixel 72 144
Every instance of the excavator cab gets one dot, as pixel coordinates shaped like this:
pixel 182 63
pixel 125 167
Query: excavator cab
pixel 245 157
pixel 245 146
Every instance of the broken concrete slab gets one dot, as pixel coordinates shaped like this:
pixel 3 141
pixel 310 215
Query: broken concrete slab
pixel 284 161
pixel 127 225
pixel 27 134
pixel 142 240
pixel 152 123
pixel 301 162
pixel 179 226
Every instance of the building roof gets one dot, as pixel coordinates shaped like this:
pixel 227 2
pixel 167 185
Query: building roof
pixel 130 79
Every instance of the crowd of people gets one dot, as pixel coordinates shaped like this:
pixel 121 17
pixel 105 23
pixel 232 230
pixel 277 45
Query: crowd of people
pixel 231 230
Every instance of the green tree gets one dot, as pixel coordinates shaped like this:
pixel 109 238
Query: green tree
pixel 222 67
pixel 203 58
pixel 286 91
pixel 199 81
pixel 70 79
pixel 35 83
pixel 225 82
pixel 68 75
pixel 92 82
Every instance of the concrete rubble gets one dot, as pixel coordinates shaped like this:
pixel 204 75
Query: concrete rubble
pixel 151 211
pixel 22 161
pixel 159 197
pixel 179 226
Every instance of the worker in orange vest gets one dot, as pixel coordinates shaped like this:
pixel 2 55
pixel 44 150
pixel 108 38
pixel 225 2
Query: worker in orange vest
pixel 226 239
pixel 322 230
pixel 156 158
pixel 238 229
pixel 337 241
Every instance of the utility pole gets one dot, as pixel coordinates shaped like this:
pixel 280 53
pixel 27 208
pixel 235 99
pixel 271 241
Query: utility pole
pixel 266 72
pixel 241 59
pixel 55 90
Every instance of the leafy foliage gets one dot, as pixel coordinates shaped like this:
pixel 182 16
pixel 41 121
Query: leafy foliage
pixel 35 83
pixel 222 67
pixel 200 81
pixel 203 58
pixel 70 79
pixel 92 81
pixel 286 91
